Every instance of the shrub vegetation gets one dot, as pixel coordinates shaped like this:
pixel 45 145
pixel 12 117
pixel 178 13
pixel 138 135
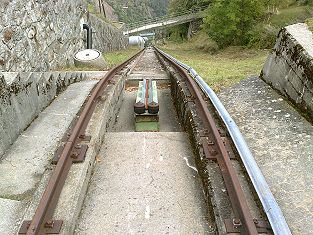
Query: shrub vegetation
pixel 253 23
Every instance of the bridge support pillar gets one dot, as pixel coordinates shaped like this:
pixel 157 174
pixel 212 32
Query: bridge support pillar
pixel 194 26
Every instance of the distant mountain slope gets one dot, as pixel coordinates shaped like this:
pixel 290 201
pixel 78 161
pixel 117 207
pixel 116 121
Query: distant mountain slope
pixel 138 10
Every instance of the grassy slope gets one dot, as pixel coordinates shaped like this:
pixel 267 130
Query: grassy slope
pixel 291 15
pixel 233 64
pixel 229 66
pixel 226 68
pixel 220 70
pixel 116 57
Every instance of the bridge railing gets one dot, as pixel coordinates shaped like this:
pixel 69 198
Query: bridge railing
pixel 167 22
pixel 167 17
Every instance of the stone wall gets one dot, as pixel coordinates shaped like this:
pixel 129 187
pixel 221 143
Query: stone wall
pixel 44 35
pixel 106 37
pixel 39 35
pixel 289 67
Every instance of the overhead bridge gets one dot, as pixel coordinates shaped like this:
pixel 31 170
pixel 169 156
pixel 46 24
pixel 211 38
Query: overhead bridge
pixel 164 22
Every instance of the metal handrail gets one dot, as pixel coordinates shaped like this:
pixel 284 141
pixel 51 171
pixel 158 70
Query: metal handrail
pixel 170 21
pixel 271 208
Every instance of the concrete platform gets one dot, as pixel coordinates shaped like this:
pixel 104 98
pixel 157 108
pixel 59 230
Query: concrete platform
pixel 10 211
pixel 281 141
pixel 23 165
pixel 144 183
pixel 137 76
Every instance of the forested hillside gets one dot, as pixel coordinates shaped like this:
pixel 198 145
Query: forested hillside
pixel 242 22
pixel 183 5
pixel 137 10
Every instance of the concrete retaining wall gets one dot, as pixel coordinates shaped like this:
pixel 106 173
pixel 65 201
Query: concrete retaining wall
pixel 289 67
pixel 106 37
pixel 24 95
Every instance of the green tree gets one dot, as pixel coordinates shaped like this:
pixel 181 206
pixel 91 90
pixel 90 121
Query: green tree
pixel 229 21
pixel 179 33
pixel 177 6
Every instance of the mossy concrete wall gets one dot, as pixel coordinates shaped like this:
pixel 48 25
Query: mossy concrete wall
pixel 24 95
pixel 289 67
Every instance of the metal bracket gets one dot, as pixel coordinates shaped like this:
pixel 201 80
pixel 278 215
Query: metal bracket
pixel 84 137
pixel 235 225
pixel 210 151
pixel 222 132
pixel 112 82
pixel 51 227
pixel 228 148
pixel 65 137
pixel 78 154
pixel 190 98
pixel 204 133
pixel 56 156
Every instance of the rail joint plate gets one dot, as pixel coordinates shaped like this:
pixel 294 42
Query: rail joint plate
pixel 235 225
pixel 54 227
pixel 210 152
pixel 78 154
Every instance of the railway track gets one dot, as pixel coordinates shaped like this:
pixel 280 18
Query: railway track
pixel 233 201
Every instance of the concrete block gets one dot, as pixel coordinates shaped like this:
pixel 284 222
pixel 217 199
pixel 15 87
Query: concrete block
pixel 273 72
pixel 309 86
pixel 308 99
pixel 302 35
pixel 9 211
pixel 289 68
pixel 296 82
pixel 10 77
pixel 292 93
pixel 93 74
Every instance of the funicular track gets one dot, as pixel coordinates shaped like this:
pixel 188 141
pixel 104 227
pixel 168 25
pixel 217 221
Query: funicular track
pixel 214 148
pixel 42 222
pixel 213 145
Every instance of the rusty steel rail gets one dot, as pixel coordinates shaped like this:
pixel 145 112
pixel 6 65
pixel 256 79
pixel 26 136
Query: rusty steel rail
pixel 42 221
pixel 215 149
